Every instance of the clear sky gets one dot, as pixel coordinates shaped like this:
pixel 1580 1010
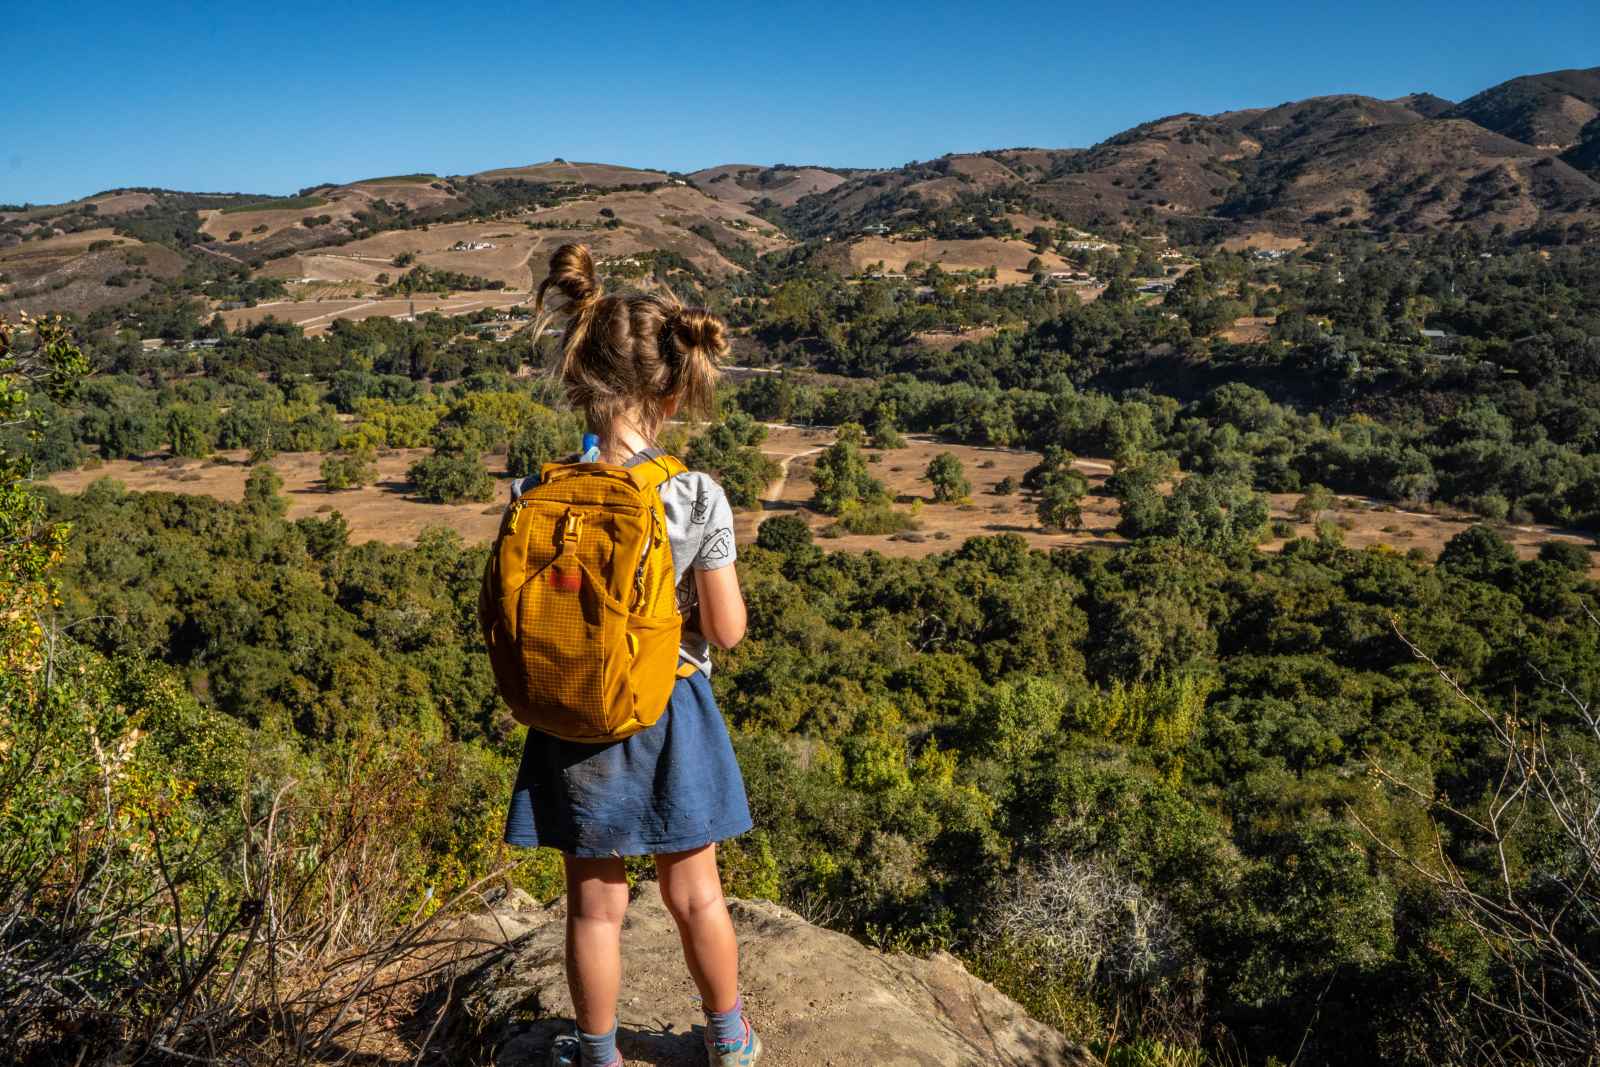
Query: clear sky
pixel 274 97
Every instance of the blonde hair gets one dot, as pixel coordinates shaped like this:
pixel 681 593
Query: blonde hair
pixel 630 353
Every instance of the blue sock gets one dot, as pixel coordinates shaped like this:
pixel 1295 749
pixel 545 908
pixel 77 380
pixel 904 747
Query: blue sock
pixel 727 1027
pixel 599 1050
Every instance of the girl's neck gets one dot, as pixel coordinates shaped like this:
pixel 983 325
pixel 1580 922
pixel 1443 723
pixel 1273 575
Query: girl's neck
pixel 620 442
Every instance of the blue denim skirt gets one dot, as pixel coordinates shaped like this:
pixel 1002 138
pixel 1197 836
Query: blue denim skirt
pixel 670 788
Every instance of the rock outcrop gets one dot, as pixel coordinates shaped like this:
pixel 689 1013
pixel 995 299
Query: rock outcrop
pixel 820 998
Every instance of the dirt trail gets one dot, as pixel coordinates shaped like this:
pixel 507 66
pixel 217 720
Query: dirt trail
pixel 774 491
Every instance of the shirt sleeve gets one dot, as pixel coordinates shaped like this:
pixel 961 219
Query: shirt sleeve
pixel 716 547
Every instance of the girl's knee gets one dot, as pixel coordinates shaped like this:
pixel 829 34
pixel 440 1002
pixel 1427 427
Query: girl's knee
pixel 689 899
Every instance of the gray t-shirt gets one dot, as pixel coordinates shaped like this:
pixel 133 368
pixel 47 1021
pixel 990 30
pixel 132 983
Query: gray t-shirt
pixel 700 529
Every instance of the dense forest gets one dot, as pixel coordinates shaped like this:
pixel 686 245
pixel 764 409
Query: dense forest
pixel 1186 800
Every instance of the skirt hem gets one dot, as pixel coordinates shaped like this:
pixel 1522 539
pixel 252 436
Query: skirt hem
pixel 640 848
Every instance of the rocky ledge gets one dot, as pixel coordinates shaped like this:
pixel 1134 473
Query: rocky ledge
pixel 820 998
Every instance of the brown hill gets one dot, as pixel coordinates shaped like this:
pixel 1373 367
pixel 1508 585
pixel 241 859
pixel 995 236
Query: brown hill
pixel 1585 155
pixel 1544 110
pixel 749 184
pixel 80 272
pixel 1417 175
pixel 601 175
pixel 1427 105
pixel 1347 160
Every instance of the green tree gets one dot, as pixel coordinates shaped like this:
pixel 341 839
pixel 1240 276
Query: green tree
pixel 730 449
pixel 948 478
pixel 840 478
pixel 188 434
pixel 542 439
pixel 1317 499
pixel 350 470
pixel 784 533
pixel 1478 553
pixel 1061 499
pixel 451 477
pixel 262 492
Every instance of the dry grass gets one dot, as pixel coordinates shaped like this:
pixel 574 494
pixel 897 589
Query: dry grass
pixel 385 511
pixel 314 316
pixel 1009 258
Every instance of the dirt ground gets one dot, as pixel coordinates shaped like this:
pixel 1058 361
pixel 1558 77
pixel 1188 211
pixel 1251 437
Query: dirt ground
pixel 1009 258
pixel 1249 329
pixel 314 316
pixel 1267 242
pixel 385 510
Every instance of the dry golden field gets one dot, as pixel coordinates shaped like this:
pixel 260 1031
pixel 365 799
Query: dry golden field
pixel 385 511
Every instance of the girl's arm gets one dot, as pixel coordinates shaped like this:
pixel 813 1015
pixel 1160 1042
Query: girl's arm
pixel 722 614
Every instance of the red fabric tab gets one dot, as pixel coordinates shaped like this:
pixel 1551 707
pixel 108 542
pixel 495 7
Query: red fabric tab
pixel 565 581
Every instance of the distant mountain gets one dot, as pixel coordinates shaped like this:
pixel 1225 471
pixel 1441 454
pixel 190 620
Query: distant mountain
pixel 1521 159
pixel 1406 165
pixel 1585 155
pixel 749 183
pixel 1425 104
pixel 1543 110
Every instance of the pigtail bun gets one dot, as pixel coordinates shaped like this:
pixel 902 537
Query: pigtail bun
pixel 697 329
pixel 572 272
pixel 699 341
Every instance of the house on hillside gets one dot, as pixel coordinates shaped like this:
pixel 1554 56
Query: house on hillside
pixel 1439 342
pixel 471 246
pixel 874 229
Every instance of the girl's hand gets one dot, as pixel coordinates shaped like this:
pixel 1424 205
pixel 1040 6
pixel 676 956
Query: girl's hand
pixel 722 615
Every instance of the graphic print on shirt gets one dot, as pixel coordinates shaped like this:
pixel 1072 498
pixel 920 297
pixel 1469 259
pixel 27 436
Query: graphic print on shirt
pixel 718 546
pixel 701 510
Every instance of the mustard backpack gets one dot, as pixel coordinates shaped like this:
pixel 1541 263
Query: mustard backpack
pixel 579 607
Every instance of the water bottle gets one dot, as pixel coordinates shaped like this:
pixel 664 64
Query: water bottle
pixel 591 448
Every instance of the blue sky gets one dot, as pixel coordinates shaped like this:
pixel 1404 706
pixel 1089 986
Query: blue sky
pixel 271 98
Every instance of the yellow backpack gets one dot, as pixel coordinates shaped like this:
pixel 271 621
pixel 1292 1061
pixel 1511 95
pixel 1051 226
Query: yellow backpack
pixel 579 607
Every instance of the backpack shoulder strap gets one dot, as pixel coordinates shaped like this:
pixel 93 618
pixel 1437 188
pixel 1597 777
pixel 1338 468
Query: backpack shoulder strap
pixel 652 468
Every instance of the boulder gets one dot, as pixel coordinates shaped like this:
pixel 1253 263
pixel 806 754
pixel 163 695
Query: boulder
pixel 819 998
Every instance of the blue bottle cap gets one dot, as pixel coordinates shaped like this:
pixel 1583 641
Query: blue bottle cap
pixel 591 448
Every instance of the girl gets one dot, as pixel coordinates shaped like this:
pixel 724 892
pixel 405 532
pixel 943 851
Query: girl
pixel 672 791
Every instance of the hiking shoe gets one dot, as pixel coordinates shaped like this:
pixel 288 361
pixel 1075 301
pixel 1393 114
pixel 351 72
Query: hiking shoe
pixel 566 1052
pixel 737 1054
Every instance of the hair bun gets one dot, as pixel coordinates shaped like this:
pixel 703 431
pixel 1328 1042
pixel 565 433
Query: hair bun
pixel 572 272
pixel 696 329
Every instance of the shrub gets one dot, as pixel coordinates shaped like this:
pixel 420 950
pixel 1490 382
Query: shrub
pixel 840 477
pixel 451 477
pixel 948 478
pixel 784 533
pixel 350 470
pixel 874 518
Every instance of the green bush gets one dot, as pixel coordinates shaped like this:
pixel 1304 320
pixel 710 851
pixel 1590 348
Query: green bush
pixel 349 470
pixel 451 477
pixel 948 478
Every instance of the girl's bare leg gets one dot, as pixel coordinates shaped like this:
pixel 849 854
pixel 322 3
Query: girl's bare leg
pixel 597 899
pixel 692 889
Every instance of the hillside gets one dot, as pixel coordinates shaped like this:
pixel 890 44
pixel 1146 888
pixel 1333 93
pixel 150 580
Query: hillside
pixel 1407 165
pixel 1546 111
pixel 752 184
pixel 1520 159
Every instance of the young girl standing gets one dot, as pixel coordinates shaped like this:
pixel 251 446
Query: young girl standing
pixel 671 791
